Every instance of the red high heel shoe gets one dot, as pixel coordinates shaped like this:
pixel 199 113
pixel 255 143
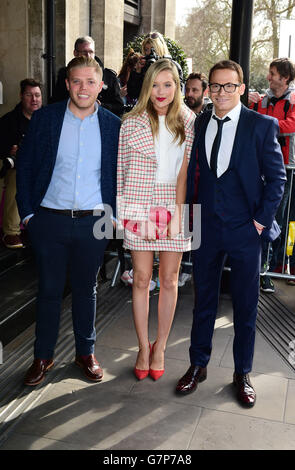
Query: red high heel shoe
pixel 156 374
pixel 141 374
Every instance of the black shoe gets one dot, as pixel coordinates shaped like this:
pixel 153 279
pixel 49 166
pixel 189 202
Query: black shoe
pixel 266 284
pixel 189 382
pixel 244 389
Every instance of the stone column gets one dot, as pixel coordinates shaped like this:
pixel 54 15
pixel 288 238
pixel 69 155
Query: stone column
pixel 107 24
pixel 76 24
pixel 14 47
pixel 170 14
pixel 146 16
pixel 158 15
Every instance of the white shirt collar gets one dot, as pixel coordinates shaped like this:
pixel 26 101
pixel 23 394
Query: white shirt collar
pixel 233 114
pixel 91 116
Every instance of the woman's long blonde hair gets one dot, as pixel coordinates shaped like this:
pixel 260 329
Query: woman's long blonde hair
pixel 174 119
pixel 157 42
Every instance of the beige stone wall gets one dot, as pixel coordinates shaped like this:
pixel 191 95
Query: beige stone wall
pixel 23 36
pixel 14 50
pixel 22 43
pixel 107 31
pixel 170 14
pixel 146 16
pixel 159 15
pixel 76 24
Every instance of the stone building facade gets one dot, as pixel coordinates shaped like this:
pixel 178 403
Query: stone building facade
pixel 37 36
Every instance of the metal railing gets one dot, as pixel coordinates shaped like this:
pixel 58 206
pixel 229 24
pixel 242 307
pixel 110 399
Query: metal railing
pixel 285 273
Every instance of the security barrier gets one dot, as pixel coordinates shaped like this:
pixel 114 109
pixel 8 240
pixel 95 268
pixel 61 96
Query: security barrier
pixel 285 245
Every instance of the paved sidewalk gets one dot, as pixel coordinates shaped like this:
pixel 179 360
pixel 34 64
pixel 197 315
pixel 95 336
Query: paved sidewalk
pixel 124 414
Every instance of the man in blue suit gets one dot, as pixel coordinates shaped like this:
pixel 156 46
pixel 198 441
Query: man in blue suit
pixel 241 181
pixel 66 179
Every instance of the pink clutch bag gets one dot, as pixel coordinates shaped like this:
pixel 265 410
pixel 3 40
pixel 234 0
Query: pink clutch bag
pixel 159 215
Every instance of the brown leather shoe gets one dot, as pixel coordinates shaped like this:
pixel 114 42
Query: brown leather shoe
pixel 189 382
pixel 12 241
pixel 37 371
pixel 245 392
pixel 90 366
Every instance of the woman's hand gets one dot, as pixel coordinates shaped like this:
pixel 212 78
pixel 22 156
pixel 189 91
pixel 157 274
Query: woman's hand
pixel 174 226
pixel 123 91
pixel 149 231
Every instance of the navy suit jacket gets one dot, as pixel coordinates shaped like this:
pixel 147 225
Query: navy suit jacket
pixel 258 162
pixel 38 153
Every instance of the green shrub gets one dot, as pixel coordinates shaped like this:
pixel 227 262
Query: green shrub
pixel 176 52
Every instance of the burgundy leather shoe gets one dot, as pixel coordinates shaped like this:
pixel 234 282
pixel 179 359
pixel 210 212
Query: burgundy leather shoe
pixel 90 366
pixel 245 392
pixel 189 382
pixel 37 371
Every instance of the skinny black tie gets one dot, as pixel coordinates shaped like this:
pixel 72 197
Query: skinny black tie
pixel 216 144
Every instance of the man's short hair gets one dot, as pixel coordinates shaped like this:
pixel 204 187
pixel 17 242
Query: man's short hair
pixel 83 62
pixel 285 68
pixel 198 76
pixel 29 82
pixel 227 64
pixel 82 40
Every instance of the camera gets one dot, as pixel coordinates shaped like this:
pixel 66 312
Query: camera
pixel 150 59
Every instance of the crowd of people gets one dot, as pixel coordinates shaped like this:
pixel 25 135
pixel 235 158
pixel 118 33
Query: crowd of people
pixel 136 152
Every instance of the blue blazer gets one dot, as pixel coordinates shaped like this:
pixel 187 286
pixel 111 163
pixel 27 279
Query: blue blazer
pixel 38 153
pixel 258 162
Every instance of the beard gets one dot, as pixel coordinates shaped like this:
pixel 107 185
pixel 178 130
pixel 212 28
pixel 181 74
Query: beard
pixel 194 103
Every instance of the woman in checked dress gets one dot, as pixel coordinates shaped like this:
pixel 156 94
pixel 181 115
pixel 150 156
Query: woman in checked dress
pixel 154 149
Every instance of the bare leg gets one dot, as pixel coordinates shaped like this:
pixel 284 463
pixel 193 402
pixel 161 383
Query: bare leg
pixel 142 262
pixel 168 275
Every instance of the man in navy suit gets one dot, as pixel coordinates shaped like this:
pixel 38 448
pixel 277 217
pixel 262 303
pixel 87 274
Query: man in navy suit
pixel 66 180
pixel 241 181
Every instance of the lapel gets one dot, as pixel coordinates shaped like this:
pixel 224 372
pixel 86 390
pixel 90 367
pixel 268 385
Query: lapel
pixel 201 124
pixel 56 123
pixel 141 140
pixel 105 132
pixel 242 137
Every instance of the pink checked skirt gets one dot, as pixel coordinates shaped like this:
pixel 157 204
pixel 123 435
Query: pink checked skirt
pixel 164 195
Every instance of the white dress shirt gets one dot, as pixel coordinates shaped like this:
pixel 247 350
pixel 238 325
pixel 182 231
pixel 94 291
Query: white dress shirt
pixel 169 154
pixel 76 178
pixel 227 139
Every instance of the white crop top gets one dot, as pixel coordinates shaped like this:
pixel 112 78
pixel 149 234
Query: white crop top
pixel 169 155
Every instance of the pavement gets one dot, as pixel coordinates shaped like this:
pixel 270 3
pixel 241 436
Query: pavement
pixel 121 413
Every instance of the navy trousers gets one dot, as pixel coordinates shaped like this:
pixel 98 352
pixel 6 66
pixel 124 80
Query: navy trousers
pixel 242 246
pixel 65 246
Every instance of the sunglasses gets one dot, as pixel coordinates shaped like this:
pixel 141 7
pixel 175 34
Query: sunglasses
pixel 152 36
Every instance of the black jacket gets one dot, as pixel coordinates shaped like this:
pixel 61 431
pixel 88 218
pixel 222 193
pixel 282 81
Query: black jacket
pixel 13 126
pixel 37 156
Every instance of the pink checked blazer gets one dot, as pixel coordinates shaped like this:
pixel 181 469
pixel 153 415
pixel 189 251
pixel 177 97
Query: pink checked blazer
pixel 137 164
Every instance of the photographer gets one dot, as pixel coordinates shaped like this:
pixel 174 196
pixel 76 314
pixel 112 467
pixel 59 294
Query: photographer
pixel 124 75
pixel 153 48
pixel 13 127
